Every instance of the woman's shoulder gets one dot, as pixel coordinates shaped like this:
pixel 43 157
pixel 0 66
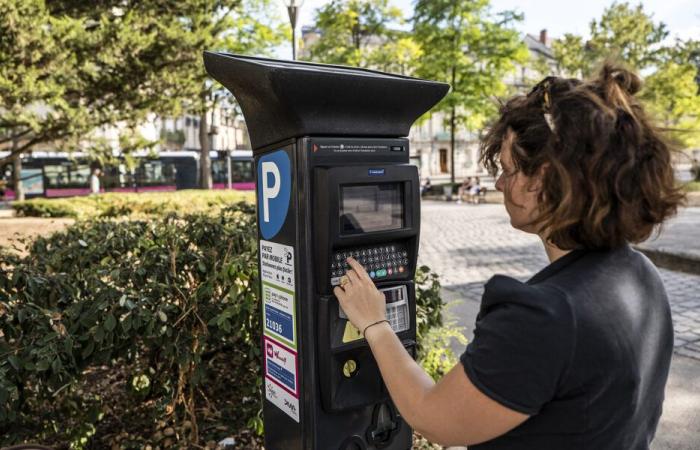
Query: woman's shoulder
pixel 505 291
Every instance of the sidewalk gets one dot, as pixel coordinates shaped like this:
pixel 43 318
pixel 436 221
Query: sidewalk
pixel 677 247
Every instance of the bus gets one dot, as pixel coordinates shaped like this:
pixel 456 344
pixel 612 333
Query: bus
pixel 50 174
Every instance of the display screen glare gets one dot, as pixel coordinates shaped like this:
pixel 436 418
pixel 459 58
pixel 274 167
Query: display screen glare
pixel 371 207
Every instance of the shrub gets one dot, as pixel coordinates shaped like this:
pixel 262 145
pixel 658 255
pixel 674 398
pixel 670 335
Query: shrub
pixel 132 205
pixel 160 316
pixel 141 332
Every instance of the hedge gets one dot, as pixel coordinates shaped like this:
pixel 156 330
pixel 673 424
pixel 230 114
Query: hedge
pixel 132 205
pixel 142 332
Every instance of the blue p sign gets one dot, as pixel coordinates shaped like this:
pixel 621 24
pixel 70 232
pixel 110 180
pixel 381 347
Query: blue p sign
pixel 274 186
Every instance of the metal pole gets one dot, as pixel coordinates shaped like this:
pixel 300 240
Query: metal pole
pixel 293 11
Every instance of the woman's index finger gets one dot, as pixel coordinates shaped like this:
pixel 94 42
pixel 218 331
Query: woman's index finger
pixel 358 268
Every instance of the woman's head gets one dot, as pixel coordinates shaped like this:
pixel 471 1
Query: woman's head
pixel 582 164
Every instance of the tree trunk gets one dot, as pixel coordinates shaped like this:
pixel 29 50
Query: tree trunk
pixel 452 144
pixel 205 181
pixel 17 175
pixel 452 131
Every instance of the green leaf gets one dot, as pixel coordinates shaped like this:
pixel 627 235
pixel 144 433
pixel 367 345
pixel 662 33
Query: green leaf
pixel 15 362
pixel 110 322
pixel 42 365
pixel 162 316
pixel 87 351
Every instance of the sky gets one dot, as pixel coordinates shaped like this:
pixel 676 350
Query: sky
pixel 682 17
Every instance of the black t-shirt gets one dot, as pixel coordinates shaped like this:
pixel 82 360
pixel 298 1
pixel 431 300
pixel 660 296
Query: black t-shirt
pixel 584 347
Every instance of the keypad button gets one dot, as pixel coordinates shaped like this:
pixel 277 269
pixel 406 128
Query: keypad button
pixel 381 273
pixel 390 271
pixel 372 274
pixel 401 269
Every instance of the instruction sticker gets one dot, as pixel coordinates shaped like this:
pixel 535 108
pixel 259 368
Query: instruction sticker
pixel 277 264
pixel 281 366
pixel 282 399
pixel 278 314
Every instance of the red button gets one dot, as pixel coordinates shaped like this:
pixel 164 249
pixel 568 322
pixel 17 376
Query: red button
pixel 401 269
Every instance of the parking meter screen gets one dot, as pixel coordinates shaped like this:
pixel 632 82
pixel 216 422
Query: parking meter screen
pixel 371 207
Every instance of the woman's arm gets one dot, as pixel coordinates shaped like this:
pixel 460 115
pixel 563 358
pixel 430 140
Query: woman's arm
pixel 451 412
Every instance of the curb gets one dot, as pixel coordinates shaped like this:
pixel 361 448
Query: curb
pixel 672 261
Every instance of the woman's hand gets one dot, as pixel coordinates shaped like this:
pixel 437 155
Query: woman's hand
pixel 360 298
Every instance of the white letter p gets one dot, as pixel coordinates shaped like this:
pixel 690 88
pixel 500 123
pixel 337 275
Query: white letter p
pixel 269 192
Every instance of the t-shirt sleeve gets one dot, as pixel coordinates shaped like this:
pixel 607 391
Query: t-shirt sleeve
pixel 522 346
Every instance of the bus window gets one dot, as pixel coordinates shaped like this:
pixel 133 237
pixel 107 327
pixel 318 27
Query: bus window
pixel 242 171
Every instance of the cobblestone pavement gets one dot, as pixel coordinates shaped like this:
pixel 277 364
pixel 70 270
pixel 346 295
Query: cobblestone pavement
pixel 467 244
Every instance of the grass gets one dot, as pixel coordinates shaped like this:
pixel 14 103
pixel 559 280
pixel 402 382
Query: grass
pixel 693 186
pixel 132 205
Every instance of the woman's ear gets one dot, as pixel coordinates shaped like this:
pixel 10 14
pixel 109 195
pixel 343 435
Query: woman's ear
pixel 535 182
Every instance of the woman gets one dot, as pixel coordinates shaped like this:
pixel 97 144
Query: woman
pixel 578 356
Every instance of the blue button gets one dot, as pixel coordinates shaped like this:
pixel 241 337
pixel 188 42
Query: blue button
pixel 372 274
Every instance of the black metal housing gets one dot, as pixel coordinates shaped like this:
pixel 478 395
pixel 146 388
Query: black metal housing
pixel 283 99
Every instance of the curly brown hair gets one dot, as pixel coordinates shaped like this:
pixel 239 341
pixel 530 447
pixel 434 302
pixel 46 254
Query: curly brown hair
pixel 607 176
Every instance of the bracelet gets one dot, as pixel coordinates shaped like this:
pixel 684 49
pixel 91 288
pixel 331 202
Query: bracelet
pixel 373 324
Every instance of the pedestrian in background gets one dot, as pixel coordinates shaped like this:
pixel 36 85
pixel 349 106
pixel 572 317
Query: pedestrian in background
pixel 578 356
pixel 95 180
pixel 465 188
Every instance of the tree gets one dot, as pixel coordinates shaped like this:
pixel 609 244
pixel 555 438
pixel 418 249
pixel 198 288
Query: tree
pixel 672 94
pixel 630 35
pixel 572 56
pixel 623 33
pixel 236 26
pixel 627 33
pixel 358 33
pixel 69 67
pixel 471 48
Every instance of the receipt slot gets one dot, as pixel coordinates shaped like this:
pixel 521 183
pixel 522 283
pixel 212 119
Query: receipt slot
pixel 332 180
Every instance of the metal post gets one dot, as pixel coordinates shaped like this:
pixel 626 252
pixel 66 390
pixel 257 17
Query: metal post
pixel 293 11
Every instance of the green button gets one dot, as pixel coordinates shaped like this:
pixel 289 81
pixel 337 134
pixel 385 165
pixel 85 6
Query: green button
pixel 381 273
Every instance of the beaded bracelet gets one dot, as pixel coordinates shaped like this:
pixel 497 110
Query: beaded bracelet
pixel 373 324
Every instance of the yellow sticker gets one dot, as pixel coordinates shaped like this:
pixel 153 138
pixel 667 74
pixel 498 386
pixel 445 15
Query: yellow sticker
pixel 351 333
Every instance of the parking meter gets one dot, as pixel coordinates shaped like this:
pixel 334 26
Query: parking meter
pixel 332 181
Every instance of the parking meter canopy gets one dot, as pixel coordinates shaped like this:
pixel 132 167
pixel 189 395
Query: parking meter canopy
pixel 285 99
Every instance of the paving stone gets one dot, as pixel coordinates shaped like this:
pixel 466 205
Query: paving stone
pixel 468 244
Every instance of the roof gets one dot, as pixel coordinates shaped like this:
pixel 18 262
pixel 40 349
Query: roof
pixel 534 45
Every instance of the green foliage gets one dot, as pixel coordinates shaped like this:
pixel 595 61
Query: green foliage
pixel 571 55
pixel 630 35
pixel 468 46
pixel 69 69
pixel 627 33
pixel 151 317
pixel 429 303
pixel 358 33
pixel 671 95
pixel 131 205
pixel 436 355
pixel 155 315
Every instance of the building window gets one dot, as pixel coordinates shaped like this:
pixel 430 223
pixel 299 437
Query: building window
pixel 443 160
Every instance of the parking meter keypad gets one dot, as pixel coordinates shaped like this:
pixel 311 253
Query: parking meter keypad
pixel 389 261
